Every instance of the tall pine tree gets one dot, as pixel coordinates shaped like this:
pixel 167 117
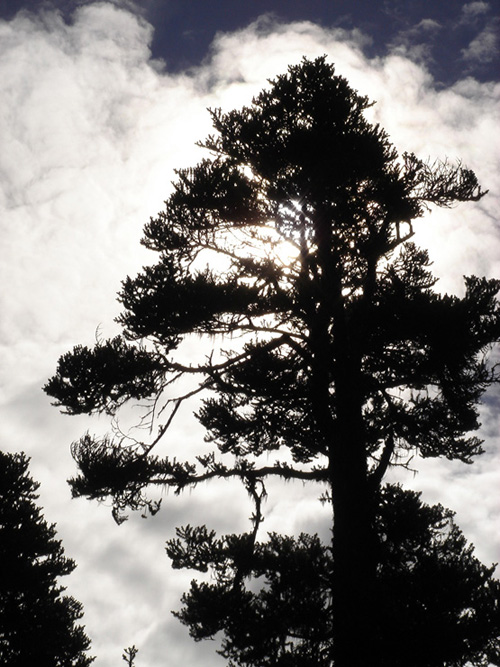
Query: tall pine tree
pixel 289 250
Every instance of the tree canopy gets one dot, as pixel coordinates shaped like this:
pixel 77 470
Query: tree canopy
pixel 437 605
pixel 38 625
pixel 289 249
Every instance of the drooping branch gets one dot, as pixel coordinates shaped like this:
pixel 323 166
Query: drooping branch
pixel 107 469
pixel 442 183
pixel 243 566
pixel 376 475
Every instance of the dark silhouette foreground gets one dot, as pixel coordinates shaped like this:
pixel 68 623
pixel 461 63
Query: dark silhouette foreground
pixel 37 623
pixel 436 603
pixel 328 354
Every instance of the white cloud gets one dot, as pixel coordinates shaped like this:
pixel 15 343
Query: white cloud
pixel 483 48
pixel 471 10
pixel 90 130
pixel 415 43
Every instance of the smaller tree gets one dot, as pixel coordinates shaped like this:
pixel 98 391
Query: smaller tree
pixel 129 655
pixel 37 623
pixel 437 604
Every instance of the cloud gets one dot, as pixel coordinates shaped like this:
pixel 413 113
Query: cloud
pixel 471 10
pixel 91 129
pixel 416 42
pixel 483 48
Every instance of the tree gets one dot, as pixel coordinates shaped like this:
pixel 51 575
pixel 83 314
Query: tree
pixel 129 655
pixel 437 605
pixel 37 623
pixel 289 250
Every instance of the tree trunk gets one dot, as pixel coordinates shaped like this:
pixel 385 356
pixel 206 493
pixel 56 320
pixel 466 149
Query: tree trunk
pixel 353 574
pixel 336 344
pixel 353 541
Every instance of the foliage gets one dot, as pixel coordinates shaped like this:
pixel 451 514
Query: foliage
pixel 129 655
pixel 37 623
pixel 437 605
pixel 288 251
pixel 104 378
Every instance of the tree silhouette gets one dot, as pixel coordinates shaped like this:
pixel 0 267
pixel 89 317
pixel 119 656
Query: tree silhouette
pixel 437 604
pixel 288 249
pixel 37 623
pixel 129 655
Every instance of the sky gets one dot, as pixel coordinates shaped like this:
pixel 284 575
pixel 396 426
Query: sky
pixel 99 102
